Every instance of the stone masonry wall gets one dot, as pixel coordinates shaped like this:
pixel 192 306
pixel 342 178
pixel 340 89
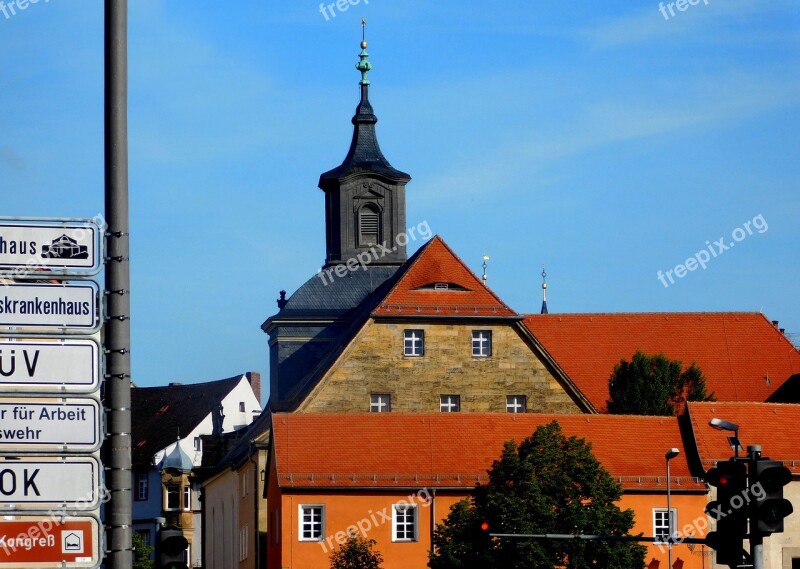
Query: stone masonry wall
pixel 374 363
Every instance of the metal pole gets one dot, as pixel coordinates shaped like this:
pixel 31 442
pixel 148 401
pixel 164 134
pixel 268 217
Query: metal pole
pixel 669 519
pixel 117 447
pixel 756 539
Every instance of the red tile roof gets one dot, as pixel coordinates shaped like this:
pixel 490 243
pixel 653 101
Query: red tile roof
pixel 737 351
pixel 414 293
pixel 774 426
pixel 455 450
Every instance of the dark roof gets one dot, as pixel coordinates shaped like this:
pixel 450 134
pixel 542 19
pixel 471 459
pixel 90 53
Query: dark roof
pixel 160 414
pixel 335 296
pixel 365 154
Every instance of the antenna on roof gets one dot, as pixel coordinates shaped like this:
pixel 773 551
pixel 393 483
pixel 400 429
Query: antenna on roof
pixel 544 291
pixel 485 265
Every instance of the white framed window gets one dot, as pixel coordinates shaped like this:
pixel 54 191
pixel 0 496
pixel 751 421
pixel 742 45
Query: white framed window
pixel 404 522
pixel 413 343
pixel 481 343
pixel 142 486
pixel 516 403
pixel 187 498
pixel 662 524
pixel 312 522
pixel 198 444
pixel 241 407
pixel 449 403
pixel 172 496
pixel 244 543
pixel 380 403
pixel 245 487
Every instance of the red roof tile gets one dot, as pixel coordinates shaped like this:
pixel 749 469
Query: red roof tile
pixel 414 293
pixel 737 351
pixel 774 426
pixel 455 450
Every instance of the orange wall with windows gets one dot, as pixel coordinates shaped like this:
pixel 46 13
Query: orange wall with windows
pixel 690 519
pixel 372 512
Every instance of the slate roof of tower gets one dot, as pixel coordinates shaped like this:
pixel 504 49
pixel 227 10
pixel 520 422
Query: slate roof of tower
pixel 160 412
pixel 742 355
pixel 456 449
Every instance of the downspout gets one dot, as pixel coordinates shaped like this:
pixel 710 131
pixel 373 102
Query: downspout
pixel 256 476
pixel 433 513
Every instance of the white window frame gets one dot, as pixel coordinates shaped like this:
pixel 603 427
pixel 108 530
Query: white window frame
pixel 198 444
pixel 167 487
pixel 142 486
pixel 380 403
pixel 659 527
pixel 186 498
pixel 516 403
pixel 301 522
pixel 395 522
pixel 481 343
pixel 453 400
pixel 413 343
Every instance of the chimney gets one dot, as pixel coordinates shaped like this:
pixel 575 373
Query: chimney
pixel 255 382
pixel 775 323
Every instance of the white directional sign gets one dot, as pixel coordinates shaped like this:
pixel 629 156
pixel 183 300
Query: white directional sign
pixel 37 425
pixel 29 247
pixel 44 365
pixel 49 482
pixel 39 307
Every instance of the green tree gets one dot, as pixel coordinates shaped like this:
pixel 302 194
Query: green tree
pixel 356 553
pixel 547 484
pixel 654 385
pixel 141 552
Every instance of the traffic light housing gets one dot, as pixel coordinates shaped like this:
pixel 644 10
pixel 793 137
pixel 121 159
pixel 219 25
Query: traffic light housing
pixel 767 479
pixel 730 511
pixel 172 547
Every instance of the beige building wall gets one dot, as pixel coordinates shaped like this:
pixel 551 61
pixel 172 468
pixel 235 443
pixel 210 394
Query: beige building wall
pixel 221 507
pixel 780 549
pixel 374 363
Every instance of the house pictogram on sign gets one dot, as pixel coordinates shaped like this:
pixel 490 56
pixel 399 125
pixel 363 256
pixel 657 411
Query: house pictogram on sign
pixel 72 541
pixel 65 248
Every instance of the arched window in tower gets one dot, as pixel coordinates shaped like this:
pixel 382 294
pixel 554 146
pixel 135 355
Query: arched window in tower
pixel 369 225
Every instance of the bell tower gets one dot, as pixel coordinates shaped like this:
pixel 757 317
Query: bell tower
pixel 365 197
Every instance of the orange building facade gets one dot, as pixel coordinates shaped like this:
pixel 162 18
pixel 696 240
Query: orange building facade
pixel 392 477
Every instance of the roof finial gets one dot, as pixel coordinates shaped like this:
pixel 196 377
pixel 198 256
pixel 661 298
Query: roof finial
pixel 544 291
pixel 485 265
pixel 364 65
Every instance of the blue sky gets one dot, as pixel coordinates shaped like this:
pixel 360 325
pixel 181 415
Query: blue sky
pixel 599 139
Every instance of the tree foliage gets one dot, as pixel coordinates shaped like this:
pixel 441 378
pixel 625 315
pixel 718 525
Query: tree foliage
pixel 654 385
pixel 547 484
pixel 141 552
pixel 356 553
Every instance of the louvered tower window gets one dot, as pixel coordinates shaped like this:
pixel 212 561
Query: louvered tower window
pixel 368 226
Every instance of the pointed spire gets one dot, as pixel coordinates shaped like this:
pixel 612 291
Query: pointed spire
pixel 485 277
pixel 365 154
pixel 544 291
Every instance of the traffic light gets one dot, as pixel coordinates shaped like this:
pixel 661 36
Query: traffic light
pixel 172 548
pixel 730 511
pixel 767 479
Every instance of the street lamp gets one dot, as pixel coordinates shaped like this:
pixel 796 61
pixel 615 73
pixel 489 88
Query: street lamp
pixel 723 425
pixel 671 453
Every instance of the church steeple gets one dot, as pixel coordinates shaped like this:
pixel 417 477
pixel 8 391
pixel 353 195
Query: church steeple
pixel 365 195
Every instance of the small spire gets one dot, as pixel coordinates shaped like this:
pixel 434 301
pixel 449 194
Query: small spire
pixel 544 291
pixel 364 66
pixel 485 266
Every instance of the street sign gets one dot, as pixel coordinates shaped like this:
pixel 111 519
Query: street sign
pixel 31 248
pixel 42 425
pixel 49 482
pixel 45 365
pixel 49 307
pixel 42 542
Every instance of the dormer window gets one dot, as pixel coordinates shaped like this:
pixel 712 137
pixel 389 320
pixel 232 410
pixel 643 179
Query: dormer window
pixel 441 286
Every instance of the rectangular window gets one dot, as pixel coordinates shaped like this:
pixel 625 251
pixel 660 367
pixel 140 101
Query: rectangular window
pixel 173 497
pixel 404 520
pixel 145 535
pixel 516 404
pixel 662 523
pixel 187 498
pixel 449 403
pixel 311 522
pixel 245 487
pixel 142 486
pixel 198 443
pixel 241 406
pixel 380 403
pixel 413 343
pixel 481 343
